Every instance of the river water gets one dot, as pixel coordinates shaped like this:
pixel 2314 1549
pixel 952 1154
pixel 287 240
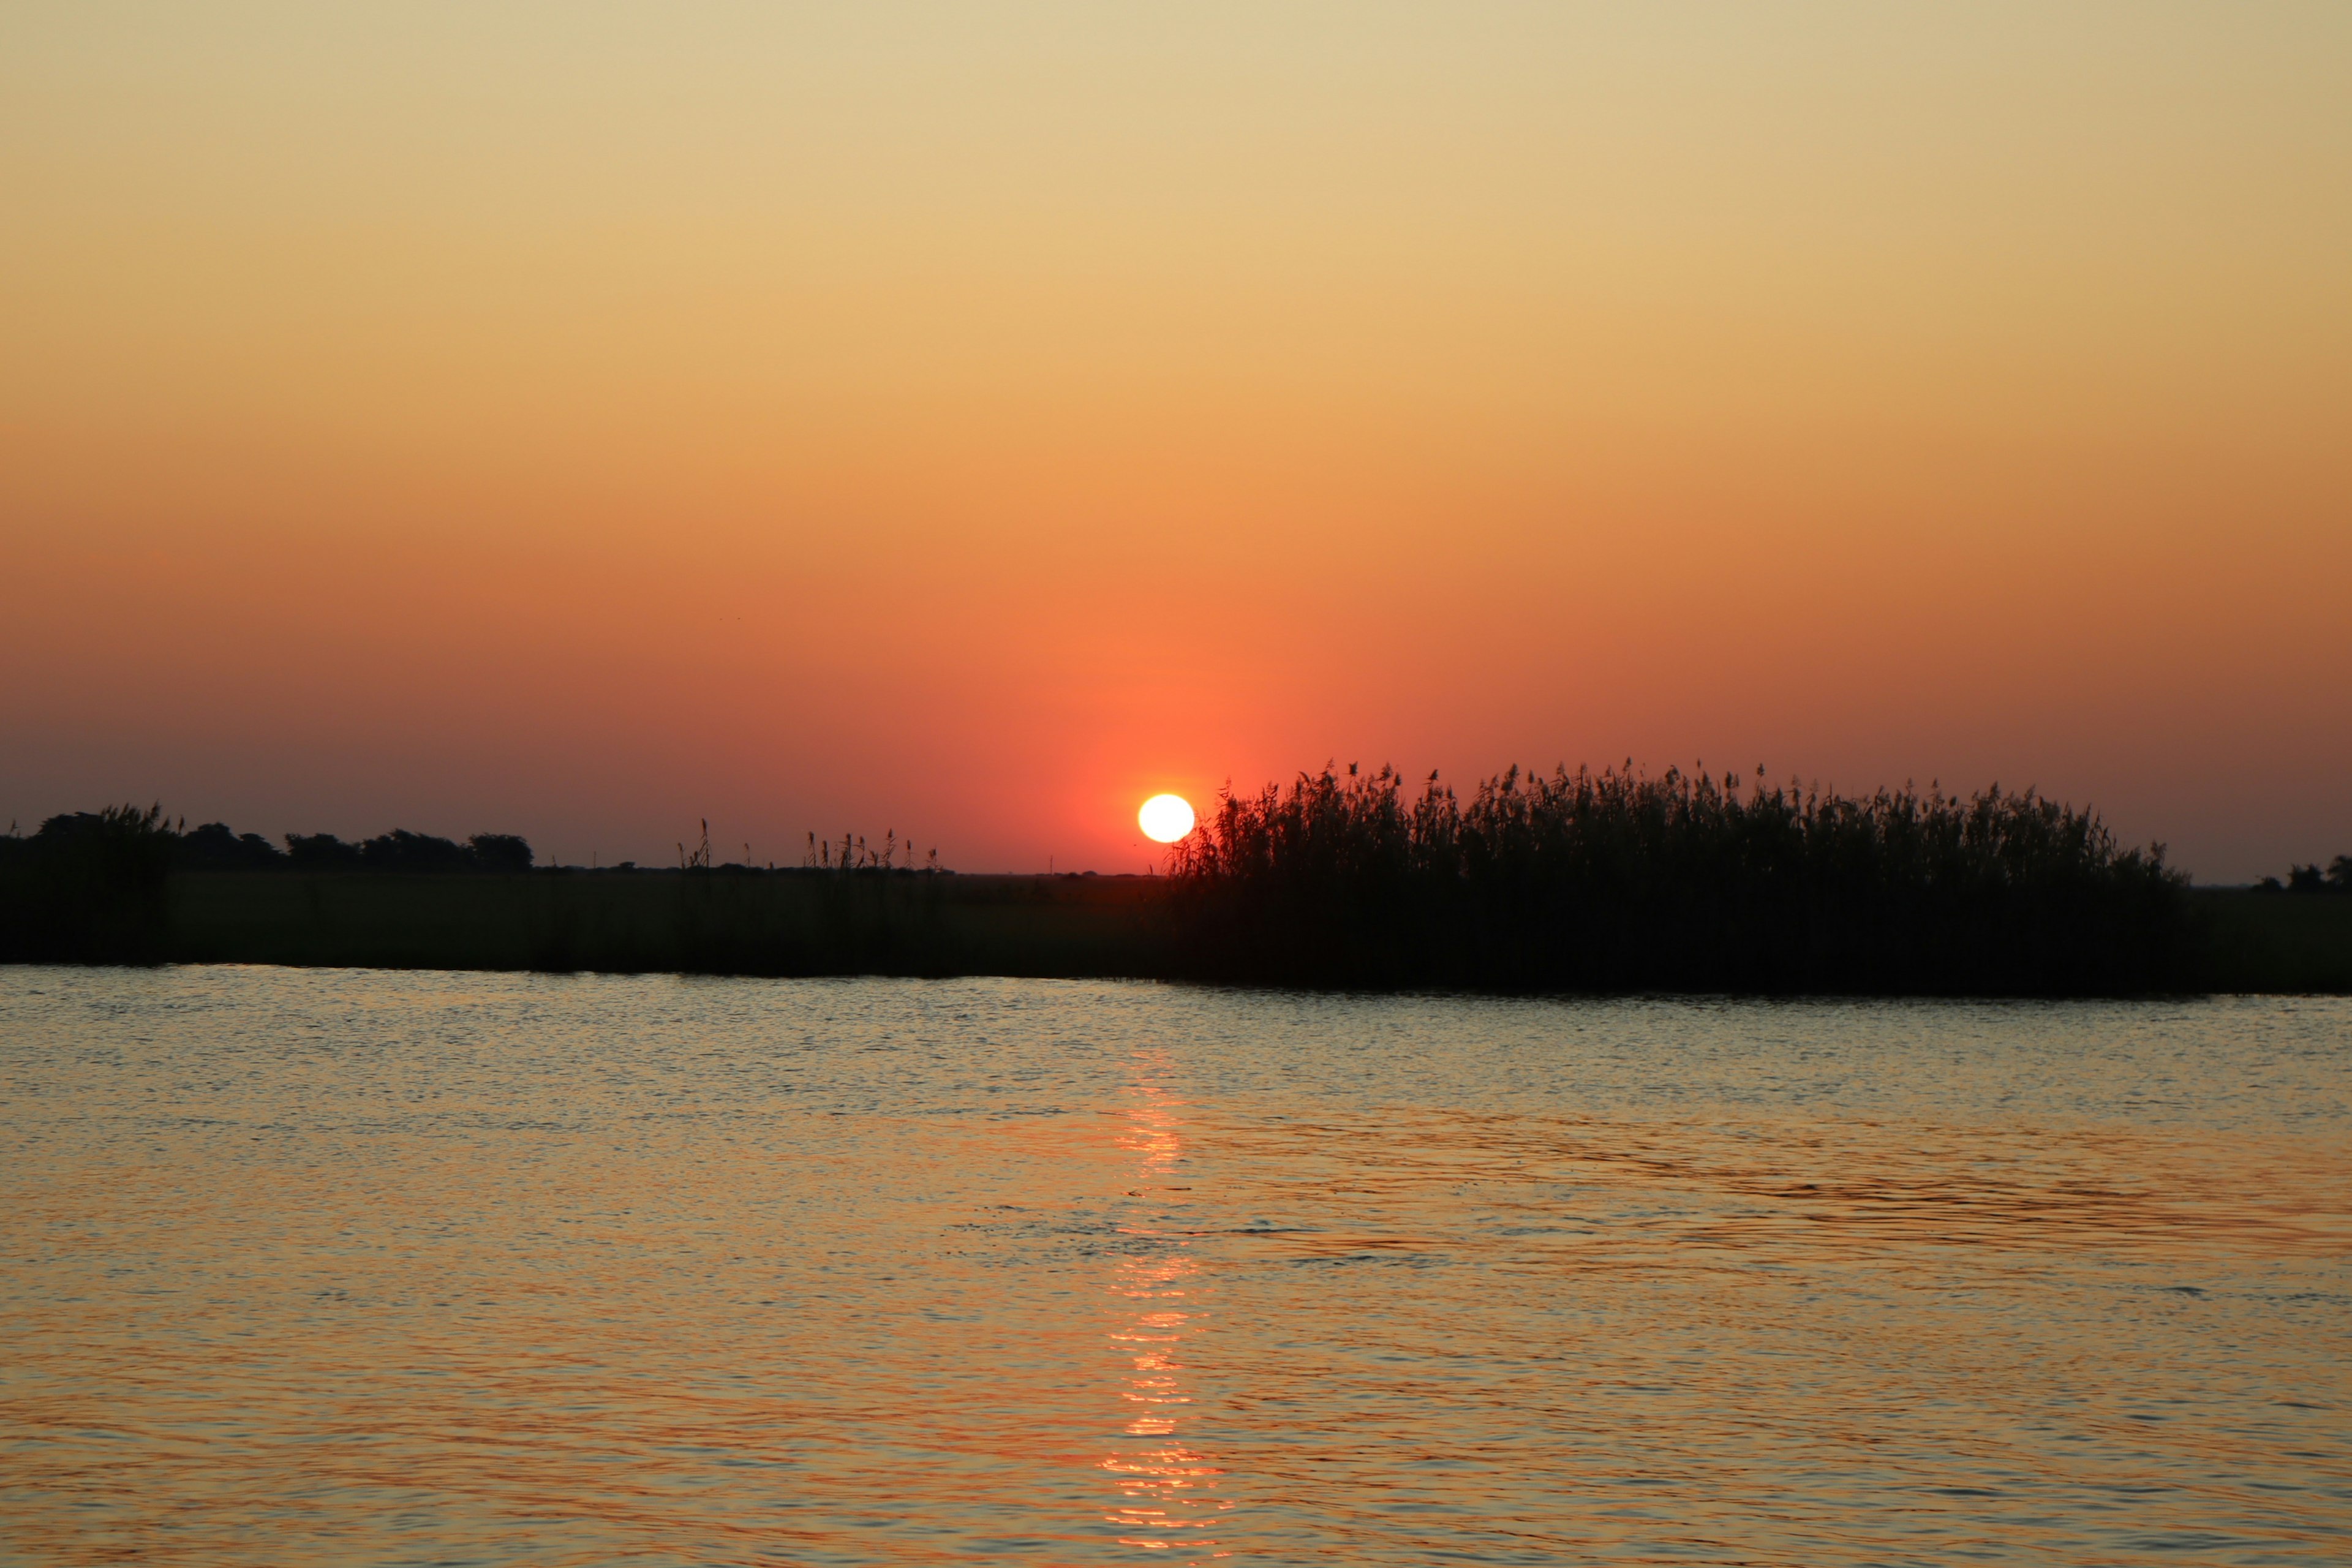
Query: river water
pixel 369 1267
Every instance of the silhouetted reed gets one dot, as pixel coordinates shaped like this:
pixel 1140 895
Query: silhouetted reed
pixel 853 854
pixel 1616 881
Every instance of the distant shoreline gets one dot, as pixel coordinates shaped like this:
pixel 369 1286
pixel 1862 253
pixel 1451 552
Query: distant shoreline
pixel 1070 925
pixel 1571 883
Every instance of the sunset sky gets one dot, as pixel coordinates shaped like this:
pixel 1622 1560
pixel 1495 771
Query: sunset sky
pixel 579 420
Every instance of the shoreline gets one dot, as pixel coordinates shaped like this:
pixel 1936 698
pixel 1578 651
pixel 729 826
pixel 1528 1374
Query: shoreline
pixel 1039 926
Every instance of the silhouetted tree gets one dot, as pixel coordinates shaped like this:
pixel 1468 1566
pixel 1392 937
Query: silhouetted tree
pixel 401 850
pixel 321 852
pixel 500 852
pixel 212 848
pixel 88 887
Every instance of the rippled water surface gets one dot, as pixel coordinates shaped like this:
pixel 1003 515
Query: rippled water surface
pixel 316 1267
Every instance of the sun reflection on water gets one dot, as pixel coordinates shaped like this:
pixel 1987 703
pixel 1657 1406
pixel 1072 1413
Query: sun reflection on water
pixel 340 1267
pixel 1169 1491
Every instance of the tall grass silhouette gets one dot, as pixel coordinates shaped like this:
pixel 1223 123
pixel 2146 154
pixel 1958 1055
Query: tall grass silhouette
pixel 1616 880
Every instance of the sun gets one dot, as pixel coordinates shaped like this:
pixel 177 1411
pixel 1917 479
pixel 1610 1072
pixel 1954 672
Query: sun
pixel 1166 818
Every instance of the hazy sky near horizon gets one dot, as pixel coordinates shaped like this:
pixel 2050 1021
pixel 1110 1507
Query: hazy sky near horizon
pixel 584 419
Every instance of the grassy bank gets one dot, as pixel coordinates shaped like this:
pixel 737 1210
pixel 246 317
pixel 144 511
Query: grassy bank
pixel 2259 941
pixel 694 921
pixel 912 925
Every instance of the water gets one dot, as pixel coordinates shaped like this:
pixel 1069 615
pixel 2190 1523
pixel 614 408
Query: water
pixel 318 1267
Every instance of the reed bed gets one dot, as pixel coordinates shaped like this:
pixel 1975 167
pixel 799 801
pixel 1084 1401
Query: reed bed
pixel 1616 881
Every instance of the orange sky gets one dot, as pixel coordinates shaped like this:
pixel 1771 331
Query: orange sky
pixel 579 420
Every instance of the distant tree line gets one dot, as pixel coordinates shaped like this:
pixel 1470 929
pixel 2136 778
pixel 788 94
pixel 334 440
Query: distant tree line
pixel 212 848
pixel 89 884
pixel 2336 878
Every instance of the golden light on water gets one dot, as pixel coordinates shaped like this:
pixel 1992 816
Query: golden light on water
pixel 1226 1284
pixel 1166 818
pixel 1167 1490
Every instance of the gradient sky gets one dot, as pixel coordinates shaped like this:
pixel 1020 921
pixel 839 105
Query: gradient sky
pixel 577 420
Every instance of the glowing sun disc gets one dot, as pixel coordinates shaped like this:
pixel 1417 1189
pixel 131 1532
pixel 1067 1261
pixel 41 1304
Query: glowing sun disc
pixel 1165 818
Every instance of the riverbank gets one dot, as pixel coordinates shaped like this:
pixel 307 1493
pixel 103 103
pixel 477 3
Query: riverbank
pixel 716 922
pixel 1072 927
pixel 2280 942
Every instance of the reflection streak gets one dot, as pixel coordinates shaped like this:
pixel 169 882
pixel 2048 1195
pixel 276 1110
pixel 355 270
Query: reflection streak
pixel 1169 1489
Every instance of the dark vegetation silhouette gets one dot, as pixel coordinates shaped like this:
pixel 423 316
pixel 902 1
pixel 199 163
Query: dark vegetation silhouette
pixel 89 886
pixel 854 854
pixel 1618 881
pixel 1608 882
pixel 2336 878
pixel 399 850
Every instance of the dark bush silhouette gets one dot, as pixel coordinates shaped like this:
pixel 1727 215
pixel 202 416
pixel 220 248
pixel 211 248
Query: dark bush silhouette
pixel 212 848
pixel 1615 881
pixel 401 850
pixel 500 852
pixel 2336 878
pixel 88 887
pixel 321 852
